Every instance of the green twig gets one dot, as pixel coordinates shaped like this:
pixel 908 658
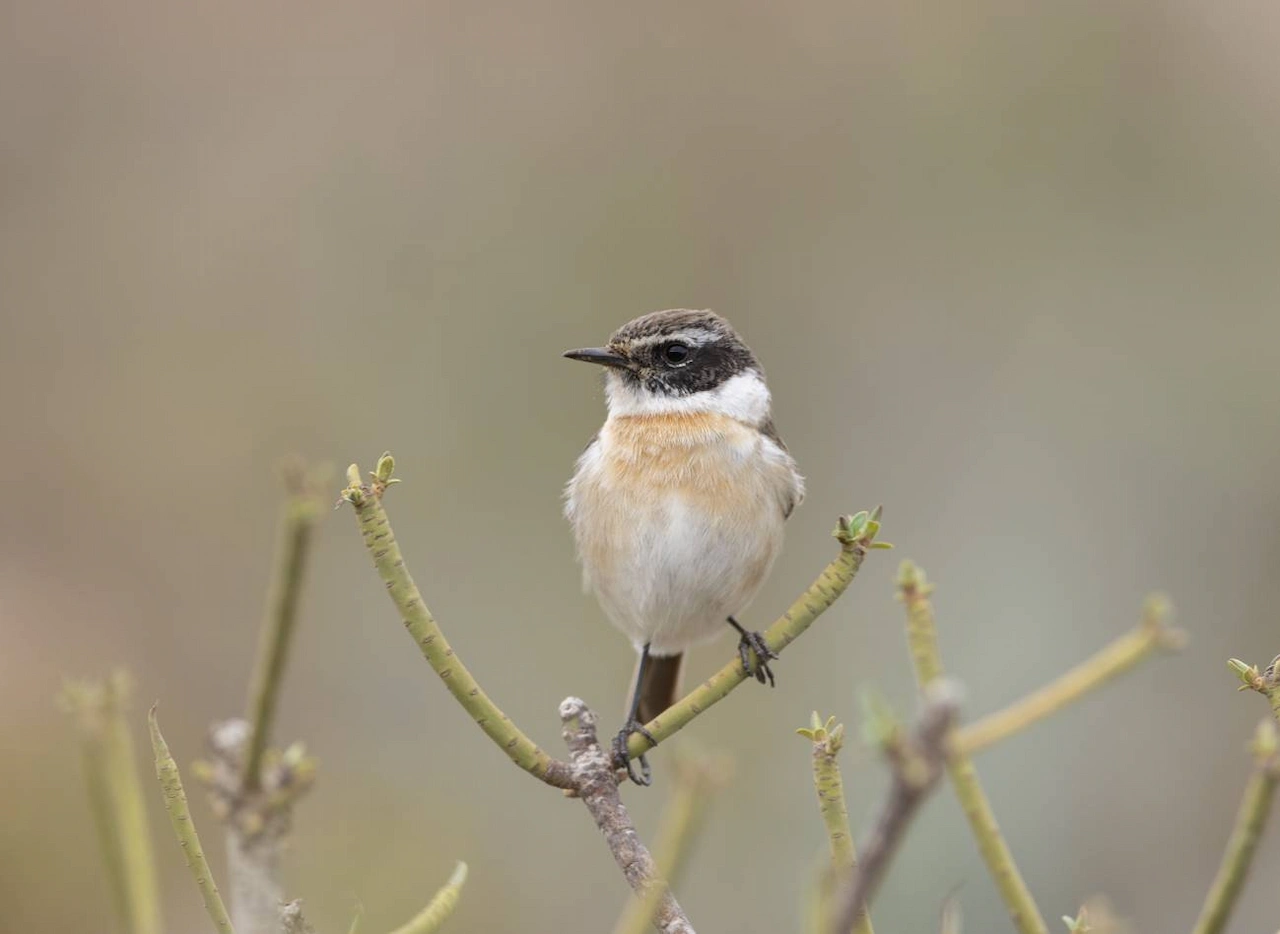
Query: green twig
pixel 116 799
pixel 697 778
pixel 827 738
pixel 857 536
pixel 442 904
pixel 1151 634
pixel 297 522
pixel 366 499
pixel 175 802
pixel 922 638
pixel 1250 820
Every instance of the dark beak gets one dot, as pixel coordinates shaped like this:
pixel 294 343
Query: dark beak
pixel 599 355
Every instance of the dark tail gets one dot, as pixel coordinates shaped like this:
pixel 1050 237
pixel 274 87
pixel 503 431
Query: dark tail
pixel 659 687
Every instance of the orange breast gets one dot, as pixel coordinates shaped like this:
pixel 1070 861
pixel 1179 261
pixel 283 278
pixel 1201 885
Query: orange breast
pixel 700 454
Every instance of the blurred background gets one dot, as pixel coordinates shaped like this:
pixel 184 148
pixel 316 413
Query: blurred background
pixel 1011 269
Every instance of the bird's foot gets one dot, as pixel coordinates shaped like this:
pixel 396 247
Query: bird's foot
pixel 754 642
pixel 622 759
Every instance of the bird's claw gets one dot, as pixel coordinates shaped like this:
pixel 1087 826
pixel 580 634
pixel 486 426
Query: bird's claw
pixel 754 642
pixel 622 759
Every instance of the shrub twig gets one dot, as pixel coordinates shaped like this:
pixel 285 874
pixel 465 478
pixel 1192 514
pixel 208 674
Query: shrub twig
pixel 175 802
pixel 1151 634
pixel 917 762
pixel 827 738
pixel 1251 818
pixel 922 638
pixel 116 798
pixel 297 522
pixel 431 918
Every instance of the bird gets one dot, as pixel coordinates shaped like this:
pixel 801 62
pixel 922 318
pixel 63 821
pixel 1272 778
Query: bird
pixel 678 503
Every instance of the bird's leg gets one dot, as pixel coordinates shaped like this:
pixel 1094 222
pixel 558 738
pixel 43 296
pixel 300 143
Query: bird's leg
pixel 749 642
pixel 621 759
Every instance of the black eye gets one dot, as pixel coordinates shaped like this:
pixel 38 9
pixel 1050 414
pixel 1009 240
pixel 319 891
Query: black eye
pixel 675 353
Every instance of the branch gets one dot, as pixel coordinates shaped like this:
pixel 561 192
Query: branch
pixel 175 802
pixel 366 499
pixel 857 536
pixel 827 739
pixel 257 822
pixel 922 637
pixel 696 779
pixel 1250 821
pixel 115 798
pixel 441 906
pixel 855 533
pixel 917 762
pixel 1124 653
pixel 596 783
pixel 297 521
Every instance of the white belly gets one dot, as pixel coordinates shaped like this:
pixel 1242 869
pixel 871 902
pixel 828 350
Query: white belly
pixel 677 525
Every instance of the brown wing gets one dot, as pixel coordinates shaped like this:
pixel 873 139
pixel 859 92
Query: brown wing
pixel 770 431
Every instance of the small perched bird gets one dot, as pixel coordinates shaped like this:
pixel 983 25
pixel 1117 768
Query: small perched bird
pixel 678 503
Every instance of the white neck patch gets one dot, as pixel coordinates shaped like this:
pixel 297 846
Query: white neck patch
pixel 744 397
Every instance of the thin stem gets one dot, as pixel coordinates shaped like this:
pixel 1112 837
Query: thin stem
pixel 596 784
pixel 917 762
pixel 116 799
pixel 175 802
pixel 856 535
pixel 381 542
pixel 828 738
pixel 696 779
pixel 1250 821
pixel 1151 634
pixel 297 523
pixel 441 906
pixel 922 638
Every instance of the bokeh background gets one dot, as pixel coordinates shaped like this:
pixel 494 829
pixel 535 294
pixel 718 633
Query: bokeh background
pixel 1012 271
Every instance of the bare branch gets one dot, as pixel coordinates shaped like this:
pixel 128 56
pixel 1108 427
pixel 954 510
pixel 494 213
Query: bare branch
pixel 696 777
pixel 917 761
pixel 257 822
pixel 596 784
pixel 1150 635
